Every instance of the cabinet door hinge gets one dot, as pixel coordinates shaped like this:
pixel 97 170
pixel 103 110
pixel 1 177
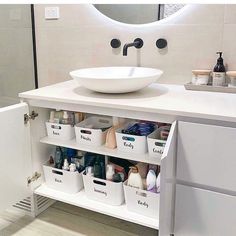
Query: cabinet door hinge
pixel 30 116
pixel 35 176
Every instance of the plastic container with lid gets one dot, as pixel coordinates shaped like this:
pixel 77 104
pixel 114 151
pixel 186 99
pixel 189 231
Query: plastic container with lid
pixel 201 77
pixel 232 76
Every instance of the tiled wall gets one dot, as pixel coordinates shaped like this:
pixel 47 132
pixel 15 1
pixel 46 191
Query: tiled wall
pixel 16 60
pixel 81 37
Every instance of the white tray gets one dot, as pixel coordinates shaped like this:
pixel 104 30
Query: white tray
pixel 210 88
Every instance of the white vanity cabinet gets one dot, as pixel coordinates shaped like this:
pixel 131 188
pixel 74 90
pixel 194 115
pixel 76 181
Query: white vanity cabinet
pixel 25 148
pixel 198 185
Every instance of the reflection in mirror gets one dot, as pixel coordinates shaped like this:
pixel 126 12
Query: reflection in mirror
pixel 138 13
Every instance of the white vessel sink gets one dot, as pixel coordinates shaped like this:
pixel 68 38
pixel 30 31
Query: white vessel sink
pixel 116 79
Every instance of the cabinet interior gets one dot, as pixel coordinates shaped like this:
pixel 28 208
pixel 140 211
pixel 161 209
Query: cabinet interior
pixel 43 147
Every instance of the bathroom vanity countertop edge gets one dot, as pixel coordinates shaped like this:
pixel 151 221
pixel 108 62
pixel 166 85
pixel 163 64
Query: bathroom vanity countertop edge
pixel 157 98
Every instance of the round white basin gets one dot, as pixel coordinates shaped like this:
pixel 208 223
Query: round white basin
pixel 116 79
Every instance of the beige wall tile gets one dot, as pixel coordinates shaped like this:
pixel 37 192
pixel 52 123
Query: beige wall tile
pixel 230 14
pixel 81 37
pixel 229 46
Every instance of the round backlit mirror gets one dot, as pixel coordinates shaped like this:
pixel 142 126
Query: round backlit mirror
pixel 138 13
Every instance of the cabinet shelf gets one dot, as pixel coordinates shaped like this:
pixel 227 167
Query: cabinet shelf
pixel 79 199
pixel 102 150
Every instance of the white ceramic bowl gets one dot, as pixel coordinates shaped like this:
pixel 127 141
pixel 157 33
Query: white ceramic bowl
pixel 116 79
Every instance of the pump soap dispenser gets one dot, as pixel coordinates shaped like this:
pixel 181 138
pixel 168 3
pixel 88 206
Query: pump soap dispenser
pixel 219 72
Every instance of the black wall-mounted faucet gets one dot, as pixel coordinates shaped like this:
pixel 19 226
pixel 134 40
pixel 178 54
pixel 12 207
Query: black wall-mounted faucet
pixel 138 43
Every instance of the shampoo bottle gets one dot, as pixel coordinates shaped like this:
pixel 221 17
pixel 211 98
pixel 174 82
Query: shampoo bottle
pixel 219 72
pixel 151 181
pixel 134 179
pixel 97 170
pixel 65 118
pixel 65 165
pixel 58 158
pixel 89 171
pixel 110 172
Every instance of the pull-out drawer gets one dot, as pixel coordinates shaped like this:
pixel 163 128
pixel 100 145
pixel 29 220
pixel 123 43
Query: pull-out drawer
pixel 204 213
pixel 207 155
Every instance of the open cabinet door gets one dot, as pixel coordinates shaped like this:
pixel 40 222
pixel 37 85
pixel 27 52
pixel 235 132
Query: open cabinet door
pixel 15 157
pixel 167 191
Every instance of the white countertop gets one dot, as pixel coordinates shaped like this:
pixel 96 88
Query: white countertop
pixel 157 98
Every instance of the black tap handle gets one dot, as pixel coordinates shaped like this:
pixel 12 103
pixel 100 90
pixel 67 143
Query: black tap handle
pixel 161 43
pixel 115 43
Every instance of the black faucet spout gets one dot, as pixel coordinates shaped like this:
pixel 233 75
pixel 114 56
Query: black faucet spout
pixel 138 43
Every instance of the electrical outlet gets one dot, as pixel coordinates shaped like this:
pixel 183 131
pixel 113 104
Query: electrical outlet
pixel 52 13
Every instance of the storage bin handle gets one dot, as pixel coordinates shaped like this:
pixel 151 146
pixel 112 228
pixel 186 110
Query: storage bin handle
pixel 55 126
pixel 99 182
pixel 57 172
pixel 130 139
pixel 159 144
pixel 143 194
pixel 85 131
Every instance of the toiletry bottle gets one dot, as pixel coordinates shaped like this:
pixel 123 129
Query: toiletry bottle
pixel 89 171
pixel 58 116
pixel 80 157
pixel 111 135
pixel 219 72
pixel 142 169
pixel 65 165
pixel 151 181
pixel 72 167
pixel 103 170
pixel 110 172
pixel 117 178
pixel 58 158
pixel 51 160
pixel 52 116
pixel 134 179
pixel 65 118
pixel 97 170
pixel 158 180
pixel 71 154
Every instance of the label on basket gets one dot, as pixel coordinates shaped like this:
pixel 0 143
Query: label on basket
pixel 58 180
pixel 55 133
pixel 86 138
pixel 100 191
pixel 129 145
pixel 144 204
pixel 158 150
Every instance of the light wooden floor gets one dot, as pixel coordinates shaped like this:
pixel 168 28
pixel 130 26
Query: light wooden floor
pixel 66 220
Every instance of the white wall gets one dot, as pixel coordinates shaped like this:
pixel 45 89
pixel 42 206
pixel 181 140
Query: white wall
pixel 16 53
pixel 81 37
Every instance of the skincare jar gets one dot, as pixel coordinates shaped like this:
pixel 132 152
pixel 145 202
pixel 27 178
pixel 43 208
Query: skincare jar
pixel 232 76
pixel 201 77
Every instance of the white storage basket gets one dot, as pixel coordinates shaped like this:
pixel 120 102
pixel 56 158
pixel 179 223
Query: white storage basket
pixel 156 146
pixel 96 135
pixel 62 180
pixel 103 190
pixel 142 201
pixel 60 131
pixel 131 143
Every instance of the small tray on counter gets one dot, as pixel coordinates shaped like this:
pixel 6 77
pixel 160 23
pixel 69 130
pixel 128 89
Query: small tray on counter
pixel 210 88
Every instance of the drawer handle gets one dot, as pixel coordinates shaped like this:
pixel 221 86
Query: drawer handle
pixel 99 182
pixel 57 172
pixel 55 126
pixel 84 131
pixel 131 139
pixel 141 194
